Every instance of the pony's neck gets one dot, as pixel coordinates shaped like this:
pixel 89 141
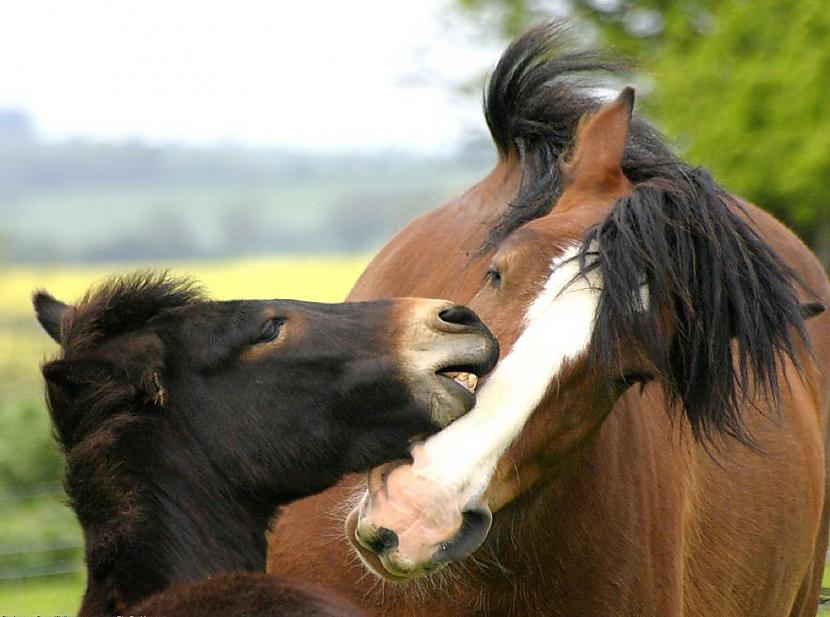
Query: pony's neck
pixel 188 529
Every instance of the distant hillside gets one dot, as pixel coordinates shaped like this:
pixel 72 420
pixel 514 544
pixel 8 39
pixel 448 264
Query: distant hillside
pixel 86 202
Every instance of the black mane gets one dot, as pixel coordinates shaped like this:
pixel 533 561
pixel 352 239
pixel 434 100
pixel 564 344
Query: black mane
pixel 713 281
pixel 727 299
pixel 535 98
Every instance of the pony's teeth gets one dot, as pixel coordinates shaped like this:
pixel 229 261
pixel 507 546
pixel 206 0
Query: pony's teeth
pixel 468 380
pixel 463 379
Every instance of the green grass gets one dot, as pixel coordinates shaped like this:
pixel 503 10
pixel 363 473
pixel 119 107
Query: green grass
pixel 825 582
pixel 51 596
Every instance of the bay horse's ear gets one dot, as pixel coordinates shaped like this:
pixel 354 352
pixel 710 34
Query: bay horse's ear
pixel 599 147
pixel 50 313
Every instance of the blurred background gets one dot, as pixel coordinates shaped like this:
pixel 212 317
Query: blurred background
pixel 268 148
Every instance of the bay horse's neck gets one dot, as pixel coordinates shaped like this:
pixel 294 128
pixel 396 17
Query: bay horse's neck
pixel 421 261
pixel 178 525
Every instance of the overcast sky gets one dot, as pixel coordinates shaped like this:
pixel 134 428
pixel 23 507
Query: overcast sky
pixel 334 75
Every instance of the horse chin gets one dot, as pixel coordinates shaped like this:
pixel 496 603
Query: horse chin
pixel 383 567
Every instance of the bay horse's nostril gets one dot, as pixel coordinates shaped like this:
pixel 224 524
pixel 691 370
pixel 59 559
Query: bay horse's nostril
pixel 475 526
pixel 384 540
pixel 460 315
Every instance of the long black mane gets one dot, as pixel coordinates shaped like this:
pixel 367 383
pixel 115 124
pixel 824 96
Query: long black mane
pixel 722 310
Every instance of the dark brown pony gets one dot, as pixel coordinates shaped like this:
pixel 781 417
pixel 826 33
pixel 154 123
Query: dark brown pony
pixel 186 423
pixel 653 439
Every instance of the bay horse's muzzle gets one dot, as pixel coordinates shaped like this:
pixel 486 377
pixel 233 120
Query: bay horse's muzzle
pixel 461 530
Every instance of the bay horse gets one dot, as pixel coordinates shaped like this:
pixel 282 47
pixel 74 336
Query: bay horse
pixel 186 423
pixel 653 439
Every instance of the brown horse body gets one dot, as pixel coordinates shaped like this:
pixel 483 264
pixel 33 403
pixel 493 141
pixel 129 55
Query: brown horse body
pixel 640 518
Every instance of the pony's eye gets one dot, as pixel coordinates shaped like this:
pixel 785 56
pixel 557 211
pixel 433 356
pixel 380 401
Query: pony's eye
pixel 270 331
pixel 494 277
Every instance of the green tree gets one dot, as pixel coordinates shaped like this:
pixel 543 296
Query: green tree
pixel 635 27
pixel 751 101
pixel 740 86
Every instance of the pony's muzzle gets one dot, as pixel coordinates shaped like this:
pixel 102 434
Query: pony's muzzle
pixel 444 349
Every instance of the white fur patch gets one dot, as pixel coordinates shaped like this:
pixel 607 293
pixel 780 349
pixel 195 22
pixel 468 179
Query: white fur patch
pixel 558 327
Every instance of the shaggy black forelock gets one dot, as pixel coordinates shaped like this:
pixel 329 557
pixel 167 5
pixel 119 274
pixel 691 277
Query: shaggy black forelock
pixel 721 311
pixel 126 303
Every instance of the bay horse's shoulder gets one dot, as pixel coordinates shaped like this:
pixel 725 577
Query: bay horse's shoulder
pixel 248 593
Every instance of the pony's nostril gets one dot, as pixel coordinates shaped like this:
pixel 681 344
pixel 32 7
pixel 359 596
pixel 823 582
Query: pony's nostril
pixel 384 540
pixel 459 315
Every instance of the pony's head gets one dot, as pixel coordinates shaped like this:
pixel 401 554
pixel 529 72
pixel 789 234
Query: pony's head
pixel 362 378
pixel 159 394
pixel 620 285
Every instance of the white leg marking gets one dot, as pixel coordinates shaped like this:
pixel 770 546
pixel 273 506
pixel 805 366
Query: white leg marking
pixel 558 327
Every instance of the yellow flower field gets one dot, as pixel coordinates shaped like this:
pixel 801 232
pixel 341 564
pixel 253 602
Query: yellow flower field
pixel 325 279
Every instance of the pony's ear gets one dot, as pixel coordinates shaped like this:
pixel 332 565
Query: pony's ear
pixel 600 144
pixel 66 374
pixel 66 381
pixel 133 365
pixel 50 313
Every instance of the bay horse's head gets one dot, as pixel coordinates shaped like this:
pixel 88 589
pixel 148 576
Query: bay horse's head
pixel 620 284
pixel 282 395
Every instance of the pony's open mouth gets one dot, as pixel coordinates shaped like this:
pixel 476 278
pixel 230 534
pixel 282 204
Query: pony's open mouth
pixel 461 383
pixel 465 379
pixel 448 387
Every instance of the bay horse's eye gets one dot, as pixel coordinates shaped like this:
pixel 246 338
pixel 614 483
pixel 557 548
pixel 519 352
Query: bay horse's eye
pixel 270 331
pixel 630 379
pixel 494 278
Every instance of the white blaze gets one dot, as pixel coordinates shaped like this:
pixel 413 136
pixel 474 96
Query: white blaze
pixel 558 327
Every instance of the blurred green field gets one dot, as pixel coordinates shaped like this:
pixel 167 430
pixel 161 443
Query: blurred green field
pixel 40 555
